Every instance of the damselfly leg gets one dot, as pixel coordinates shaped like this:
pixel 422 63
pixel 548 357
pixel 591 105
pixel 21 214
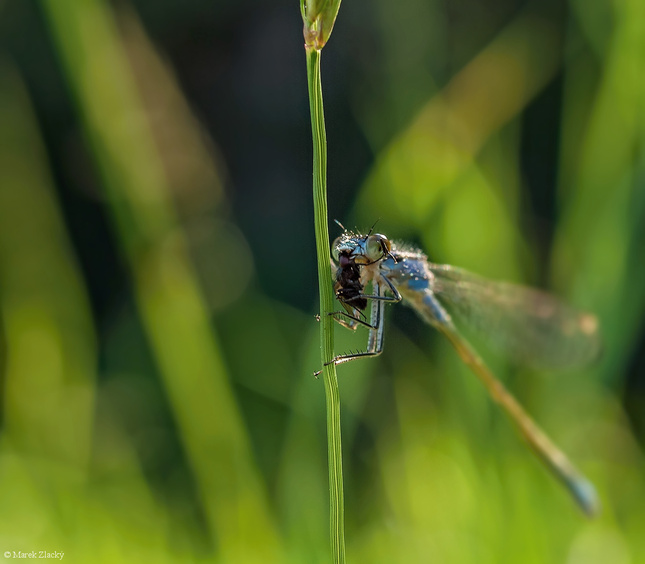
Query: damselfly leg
pixel 375 337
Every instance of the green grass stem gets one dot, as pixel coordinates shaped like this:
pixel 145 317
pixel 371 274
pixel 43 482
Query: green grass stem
pixel 337 518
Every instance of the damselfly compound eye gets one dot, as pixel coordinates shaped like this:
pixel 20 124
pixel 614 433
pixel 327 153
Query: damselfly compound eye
pixel 377 247
pixel 335 252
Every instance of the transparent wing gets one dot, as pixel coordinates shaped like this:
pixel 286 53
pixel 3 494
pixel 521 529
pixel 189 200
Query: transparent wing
pixel 529 325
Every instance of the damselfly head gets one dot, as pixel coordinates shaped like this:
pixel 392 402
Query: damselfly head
pixel 361 249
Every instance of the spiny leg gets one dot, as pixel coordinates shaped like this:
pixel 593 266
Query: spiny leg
pixel 375 338
pixel 353 320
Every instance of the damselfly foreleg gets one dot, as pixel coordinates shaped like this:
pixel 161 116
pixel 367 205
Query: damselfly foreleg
pixel 375 337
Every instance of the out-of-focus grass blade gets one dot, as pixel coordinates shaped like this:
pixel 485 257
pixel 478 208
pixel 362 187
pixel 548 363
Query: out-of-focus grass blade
pixel 50 341
pixel 167 294
pixel 413 171
pixel 599 239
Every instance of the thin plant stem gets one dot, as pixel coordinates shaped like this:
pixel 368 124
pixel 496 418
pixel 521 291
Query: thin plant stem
pixel 337 517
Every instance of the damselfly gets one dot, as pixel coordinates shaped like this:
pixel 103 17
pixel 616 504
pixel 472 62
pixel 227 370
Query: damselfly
pixel 531 325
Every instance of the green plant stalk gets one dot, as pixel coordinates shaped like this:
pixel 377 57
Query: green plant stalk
pixel 332 395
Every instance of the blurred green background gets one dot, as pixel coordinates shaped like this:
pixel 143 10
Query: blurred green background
pixel 158 283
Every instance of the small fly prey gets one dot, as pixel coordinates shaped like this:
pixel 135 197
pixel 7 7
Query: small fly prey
pixel 530 325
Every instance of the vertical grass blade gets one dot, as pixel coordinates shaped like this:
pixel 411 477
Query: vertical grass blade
pixel 49 353
pixel 337 519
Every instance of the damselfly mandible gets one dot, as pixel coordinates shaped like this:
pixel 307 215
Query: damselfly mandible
pixel 530 325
